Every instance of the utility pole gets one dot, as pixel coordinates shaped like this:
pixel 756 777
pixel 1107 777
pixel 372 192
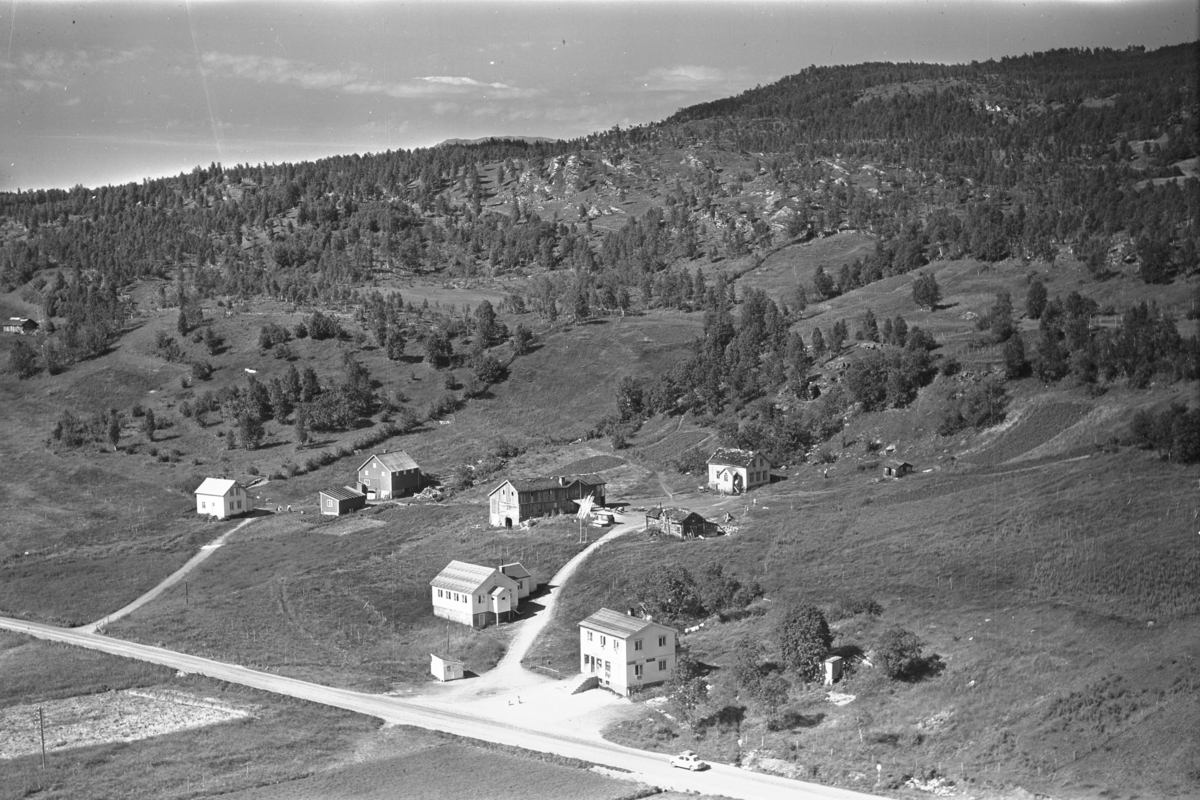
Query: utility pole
pixel 42 730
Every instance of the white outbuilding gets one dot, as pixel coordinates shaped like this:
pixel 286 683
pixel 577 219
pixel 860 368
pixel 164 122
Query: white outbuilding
pixel 221 498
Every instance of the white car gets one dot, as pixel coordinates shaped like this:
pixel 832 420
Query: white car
pixel 688 760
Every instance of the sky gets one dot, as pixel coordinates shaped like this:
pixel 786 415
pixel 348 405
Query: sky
pixel 95 93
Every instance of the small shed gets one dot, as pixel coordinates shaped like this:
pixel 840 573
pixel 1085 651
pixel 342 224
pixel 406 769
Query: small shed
pixel 342 500
pixel 445 668
pixel 833 670
pixel 894 468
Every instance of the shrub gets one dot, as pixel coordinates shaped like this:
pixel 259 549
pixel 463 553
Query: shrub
pixel 201 370
pixel 899 653
pixel 853 606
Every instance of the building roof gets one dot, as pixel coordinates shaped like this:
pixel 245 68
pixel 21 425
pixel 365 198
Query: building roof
pixel 459 576
pixel 393 462
pixel 515 570
pixel 215 486
pixel 733 457
pixel 498 591
pixel 342 493
pixel 614 623
pixel 673 514
pixel 896 463
pixel 550 482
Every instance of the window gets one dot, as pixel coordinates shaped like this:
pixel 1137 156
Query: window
pixel 440 593
pixel 589 636
pixel 662 664
pixel 328 503
pixel 607 667
pixel 662 641
pixel 637 671
pixel 603 641
pixel 478 598
pixel 367 481
pixel 637 644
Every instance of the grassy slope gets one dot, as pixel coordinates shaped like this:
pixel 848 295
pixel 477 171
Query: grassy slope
pixel 1037 582
pixel 352 609
pixel 100 527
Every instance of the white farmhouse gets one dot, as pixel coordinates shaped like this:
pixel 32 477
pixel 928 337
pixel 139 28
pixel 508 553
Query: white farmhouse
pixel 735 471
pixel 221 498
pixel 473 595
pixel 624 651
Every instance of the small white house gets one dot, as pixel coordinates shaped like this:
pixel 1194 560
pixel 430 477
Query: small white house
pixel 473 595
pixel 221 498
pixel 624 651
pixel 733 471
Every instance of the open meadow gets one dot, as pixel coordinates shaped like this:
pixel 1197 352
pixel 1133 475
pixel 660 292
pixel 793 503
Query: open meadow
pixel 271 738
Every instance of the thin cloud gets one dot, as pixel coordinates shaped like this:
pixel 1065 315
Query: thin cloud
pixel 305 75
pixel 692 78
pixel 456 81
pixel 55 68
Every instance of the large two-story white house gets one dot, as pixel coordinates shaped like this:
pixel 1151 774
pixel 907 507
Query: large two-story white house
pixel 624 651
pixel 734 471
pixel 474 595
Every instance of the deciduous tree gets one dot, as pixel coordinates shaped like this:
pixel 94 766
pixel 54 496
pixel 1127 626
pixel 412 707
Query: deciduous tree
pixel 926 292
pixel 804 640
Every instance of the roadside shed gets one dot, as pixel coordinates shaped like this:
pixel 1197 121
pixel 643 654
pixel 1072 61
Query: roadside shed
pixel 445 668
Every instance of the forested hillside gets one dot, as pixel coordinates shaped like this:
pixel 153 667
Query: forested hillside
pixel 1086 155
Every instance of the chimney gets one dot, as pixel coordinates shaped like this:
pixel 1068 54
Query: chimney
pixel 630 612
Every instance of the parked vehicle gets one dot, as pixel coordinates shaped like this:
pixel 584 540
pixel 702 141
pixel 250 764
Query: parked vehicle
pixel 688 760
